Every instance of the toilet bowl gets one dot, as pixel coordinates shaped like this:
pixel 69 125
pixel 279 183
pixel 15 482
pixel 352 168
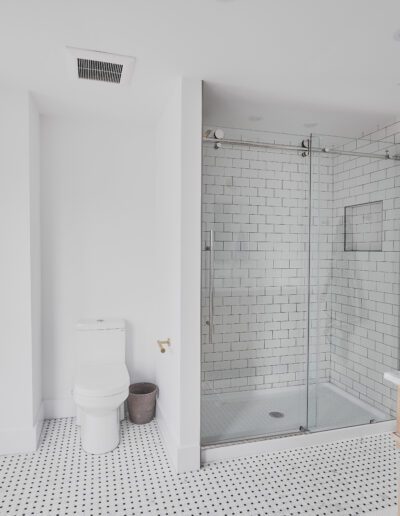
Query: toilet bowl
pixel 99 392
pixel 101 383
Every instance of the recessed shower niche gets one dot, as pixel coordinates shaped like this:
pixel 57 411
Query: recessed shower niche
pixel 363 227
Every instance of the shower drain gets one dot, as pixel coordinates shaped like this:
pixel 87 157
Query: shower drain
pixel 276 414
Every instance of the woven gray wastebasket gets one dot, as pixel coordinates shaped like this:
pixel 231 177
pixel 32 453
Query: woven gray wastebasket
pixel 142 402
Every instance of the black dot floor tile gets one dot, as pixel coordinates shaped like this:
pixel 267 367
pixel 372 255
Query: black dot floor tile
pixel 345 478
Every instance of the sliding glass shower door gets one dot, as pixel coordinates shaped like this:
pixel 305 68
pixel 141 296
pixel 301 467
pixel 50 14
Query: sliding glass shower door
pixel 255 298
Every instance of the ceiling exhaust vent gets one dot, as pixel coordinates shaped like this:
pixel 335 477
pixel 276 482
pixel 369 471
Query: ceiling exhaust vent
pixel 100 66
pixel 99 70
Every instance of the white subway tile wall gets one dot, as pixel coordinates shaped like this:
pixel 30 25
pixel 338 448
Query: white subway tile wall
pixel 256 202
pixel 365 285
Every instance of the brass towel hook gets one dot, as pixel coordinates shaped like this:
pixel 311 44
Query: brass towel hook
pixel 162 344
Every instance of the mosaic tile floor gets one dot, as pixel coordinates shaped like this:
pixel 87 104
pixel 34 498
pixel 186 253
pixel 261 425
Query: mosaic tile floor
pixel 346 478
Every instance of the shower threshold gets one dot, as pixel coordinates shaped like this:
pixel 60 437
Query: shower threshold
pixel 241 423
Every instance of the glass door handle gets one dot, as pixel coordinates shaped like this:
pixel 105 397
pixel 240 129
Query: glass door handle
pixel 211 288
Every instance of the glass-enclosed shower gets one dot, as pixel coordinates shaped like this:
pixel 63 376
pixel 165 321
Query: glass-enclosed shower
pixel 300 281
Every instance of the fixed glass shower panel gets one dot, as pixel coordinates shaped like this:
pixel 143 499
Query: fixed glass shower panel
pixel 255 265
pixel 355 243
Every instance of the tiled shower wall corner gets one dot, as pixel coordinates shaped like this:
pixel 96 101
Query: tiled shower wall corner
pixel 256 202
pixel 320 265
pixel 365 284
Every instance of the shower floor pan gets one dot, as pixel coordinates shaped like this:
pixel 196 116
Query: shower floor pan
pixel 242 415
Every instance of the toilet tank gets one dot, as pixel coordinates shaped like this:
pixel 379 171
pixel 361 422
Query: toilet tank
pixel 101 341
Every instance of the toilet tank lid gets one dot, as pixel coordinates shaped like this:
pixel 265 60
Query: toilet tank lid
pixel 100 324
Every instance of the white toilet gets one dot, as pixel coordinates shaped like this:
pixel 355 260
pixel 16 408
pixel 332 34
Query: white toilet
pixel 101 383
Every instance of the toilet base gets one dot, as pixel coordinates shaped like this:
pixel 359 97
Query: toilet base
pixel 100 432
pixel 79 414
pixel 99 419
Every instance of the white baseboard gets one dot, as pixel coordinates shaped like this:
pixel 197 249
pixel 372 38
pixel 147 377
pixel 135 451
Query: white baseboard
pixel 166 434
pixel 183 458
pixel 188 458
pixel 18 440
pixel 54 409
pixel 38 426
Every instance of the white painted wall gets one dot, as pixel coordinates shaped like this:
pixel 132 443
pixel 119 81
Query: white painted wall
pixel 178 272
pixel 20 390
pixel 191 138
pixel 103 253
pixel 35 256
pixel 168 212
pixel 98 235
pixel 111 246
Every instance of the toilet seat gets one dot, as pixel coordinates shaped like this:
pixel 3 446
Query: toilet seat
pixel 96 380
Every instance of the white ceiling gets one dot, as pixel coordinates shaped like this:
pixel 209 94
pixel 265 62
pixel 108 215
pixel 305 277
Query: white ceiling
pixel 332 62
pixel 226 106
